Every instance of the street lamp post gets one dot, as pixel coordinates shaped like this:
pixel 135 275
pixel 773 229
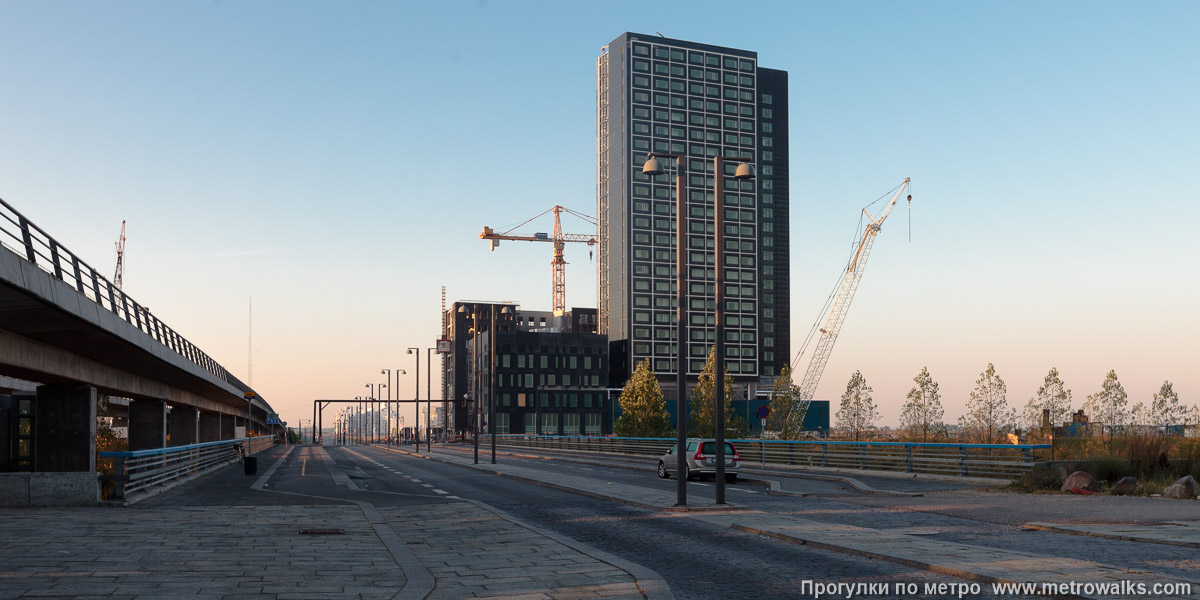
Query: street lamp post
pixel 654 167
pixel 388 377
pixel 474 316
pixel 370 403
pixel 417 397
pixel 493 336
pixel 429 394
pixel 745 171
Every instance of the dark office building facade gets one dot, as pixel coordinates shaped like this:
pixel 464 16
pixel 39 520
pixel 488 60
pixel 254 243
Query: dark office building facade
pixel 657 94
pixel 550 371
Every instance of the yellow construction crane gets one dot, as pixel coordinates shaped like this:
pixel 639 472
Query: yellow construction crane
pixel 557 265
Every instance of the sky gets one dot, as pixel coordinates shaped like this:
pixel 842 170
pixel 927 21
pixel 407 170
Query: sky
pixel 333 163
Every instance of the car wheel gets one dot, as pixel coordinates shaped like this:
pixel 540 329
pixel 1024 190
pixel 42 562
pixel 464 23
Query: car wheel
pixel 687 473
pixel 731 478
pixel 662 471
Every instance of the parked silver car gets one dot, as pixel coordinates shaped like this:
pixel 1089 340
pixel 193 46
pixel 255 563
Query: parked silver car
pixel 701 460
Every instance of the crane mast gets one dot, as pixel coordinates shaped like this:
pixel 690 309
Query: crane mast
pixel 120 274
pixel 558 265
pixel 840 306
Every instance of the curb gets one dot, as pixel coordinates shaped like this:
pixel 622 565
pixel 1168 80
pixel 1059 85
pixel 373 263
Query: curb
pixel 773 486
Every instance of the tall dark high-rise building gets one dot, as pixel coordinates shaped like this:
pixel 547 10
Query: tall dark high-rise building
pixel 656 94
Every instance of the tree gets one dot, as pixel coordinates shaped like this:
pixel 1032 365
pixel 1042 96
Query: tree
pixel 1139 417
pixel 786 417
pixel 1053 395
pixel 857 415
pixel 1165 408
pixel 988 414
pixel 643 410
pixel 921 416
pixel 702 412
pixel 1108 405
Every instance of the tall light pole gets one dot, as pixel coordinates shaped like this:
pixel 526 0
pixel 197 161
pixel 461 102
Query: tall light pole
pixel 493 331
pixel 745 171
pixel 654 167
pixel 429 393
pixel 474 316
pixel 370 402
pixel 387 373
pixel 379 404
pixel 417 397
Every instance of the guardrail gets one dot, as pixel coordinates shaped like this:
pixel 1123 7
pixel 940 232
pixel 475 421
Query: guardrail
pixel 140 469
pixel 966 460
pixel 20 236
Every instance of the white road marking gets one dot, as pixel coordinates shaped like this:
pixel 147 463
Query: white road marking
pixel 441 491
pixel 428 485
pixel 416 480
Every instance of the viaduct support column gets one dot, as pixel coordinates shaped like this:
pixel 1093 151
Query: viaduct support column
pixel 210 426
pixel 227 423
pixel 184 425
pixel 147 424
pixel 65 428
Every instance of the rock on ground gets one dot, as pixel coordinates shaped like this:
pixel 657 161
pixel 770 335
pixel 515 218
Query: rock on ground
pixel 1080 480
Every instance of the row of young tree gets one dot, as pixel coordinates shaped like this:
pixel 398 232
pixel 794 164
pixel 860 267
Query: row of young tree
pixel 644 410
pixel 989 418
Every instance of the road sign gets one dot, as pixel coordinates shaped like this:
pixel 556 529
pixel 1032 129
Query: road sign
pixel 763 411
pixel 249 395
pixel 764 423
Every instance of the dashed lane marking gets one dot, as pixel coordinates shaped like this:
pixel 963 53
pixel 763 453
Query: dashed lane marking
pixel 441 491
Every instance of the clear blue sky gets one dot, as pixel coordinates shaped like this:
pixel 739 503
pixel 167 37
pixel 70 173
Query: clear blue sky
pixel 336 161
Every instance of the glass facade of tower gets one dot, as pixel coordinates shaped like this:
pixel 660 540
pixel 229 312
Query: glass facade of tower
pixel 661 95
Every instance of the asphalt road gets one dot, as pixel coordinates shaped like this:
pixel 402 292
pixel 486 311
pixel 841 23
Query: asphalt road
pixel 696 559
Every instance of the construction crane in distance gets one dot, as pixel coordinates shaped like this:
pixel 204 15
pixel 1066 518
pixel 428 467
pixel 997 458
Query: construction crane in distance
pixel 840 301
pixel 120 274
pixel 558 265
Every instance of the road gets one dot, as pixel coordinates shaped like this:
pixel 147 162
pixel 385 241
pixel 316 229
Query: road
pixel 696 559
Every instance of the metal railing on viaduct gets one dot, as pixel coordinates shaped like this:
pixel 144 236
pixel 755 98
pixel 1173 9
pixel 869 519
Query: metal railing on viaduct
pixel 31 242
pixel 66 326
pixel 1003 461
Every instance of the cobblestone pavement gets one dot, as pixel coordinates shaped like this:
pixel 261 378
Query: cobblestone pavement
pixel 194 552
pixel 475 553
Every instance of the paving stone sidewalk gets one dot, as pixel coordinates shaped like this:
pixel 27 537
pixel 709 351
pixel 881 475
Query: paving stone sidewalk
pixel 1173 533
pixel 194 552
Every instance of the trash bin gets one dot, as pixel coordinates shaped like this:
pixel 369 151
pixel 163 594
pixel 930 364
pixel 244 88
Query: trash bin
pixel 250 464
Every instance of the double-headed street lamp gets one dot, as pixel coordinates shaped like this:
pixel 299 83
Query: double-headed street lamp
pixel 417 397
pixel 744 171
pixel 477 374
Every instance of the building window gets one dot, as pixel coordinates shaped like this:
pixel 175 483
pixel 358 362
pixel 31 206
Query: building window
pixel 550 423
pixel 530 423
pixel 501 423
pixel 571 424
pixel 766 98
pixel 592 424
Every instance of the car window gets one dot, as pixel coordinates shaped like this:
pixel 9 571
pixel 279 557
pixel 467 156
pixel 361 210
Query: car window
pixel 711 448
pixel 691 446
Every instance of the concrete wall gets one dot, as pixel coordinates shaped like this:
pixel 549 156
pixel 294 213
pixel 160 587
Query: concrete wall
pixel 49 489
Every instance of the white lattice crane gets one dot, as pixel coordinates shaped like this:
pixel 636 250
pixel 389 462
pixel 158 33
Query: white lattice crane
pixel 119 276
pixel 840 305
pixel 558 265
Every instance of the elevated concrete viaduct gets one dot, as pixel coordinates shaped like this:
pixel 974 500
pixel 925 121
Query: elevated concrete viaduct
pixel 64 325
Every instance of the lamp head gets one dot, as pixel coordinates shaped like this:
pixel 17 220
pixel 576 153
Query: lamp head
pixel 409 351
pixel 652 166
pixel 745 171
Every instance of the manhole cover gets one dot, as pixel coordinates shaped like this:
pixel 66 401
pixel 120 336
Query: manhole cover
pixel 322 532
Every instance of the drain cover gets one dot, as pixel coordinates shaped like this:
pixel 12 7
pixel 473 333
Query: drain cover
pixel 322 532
